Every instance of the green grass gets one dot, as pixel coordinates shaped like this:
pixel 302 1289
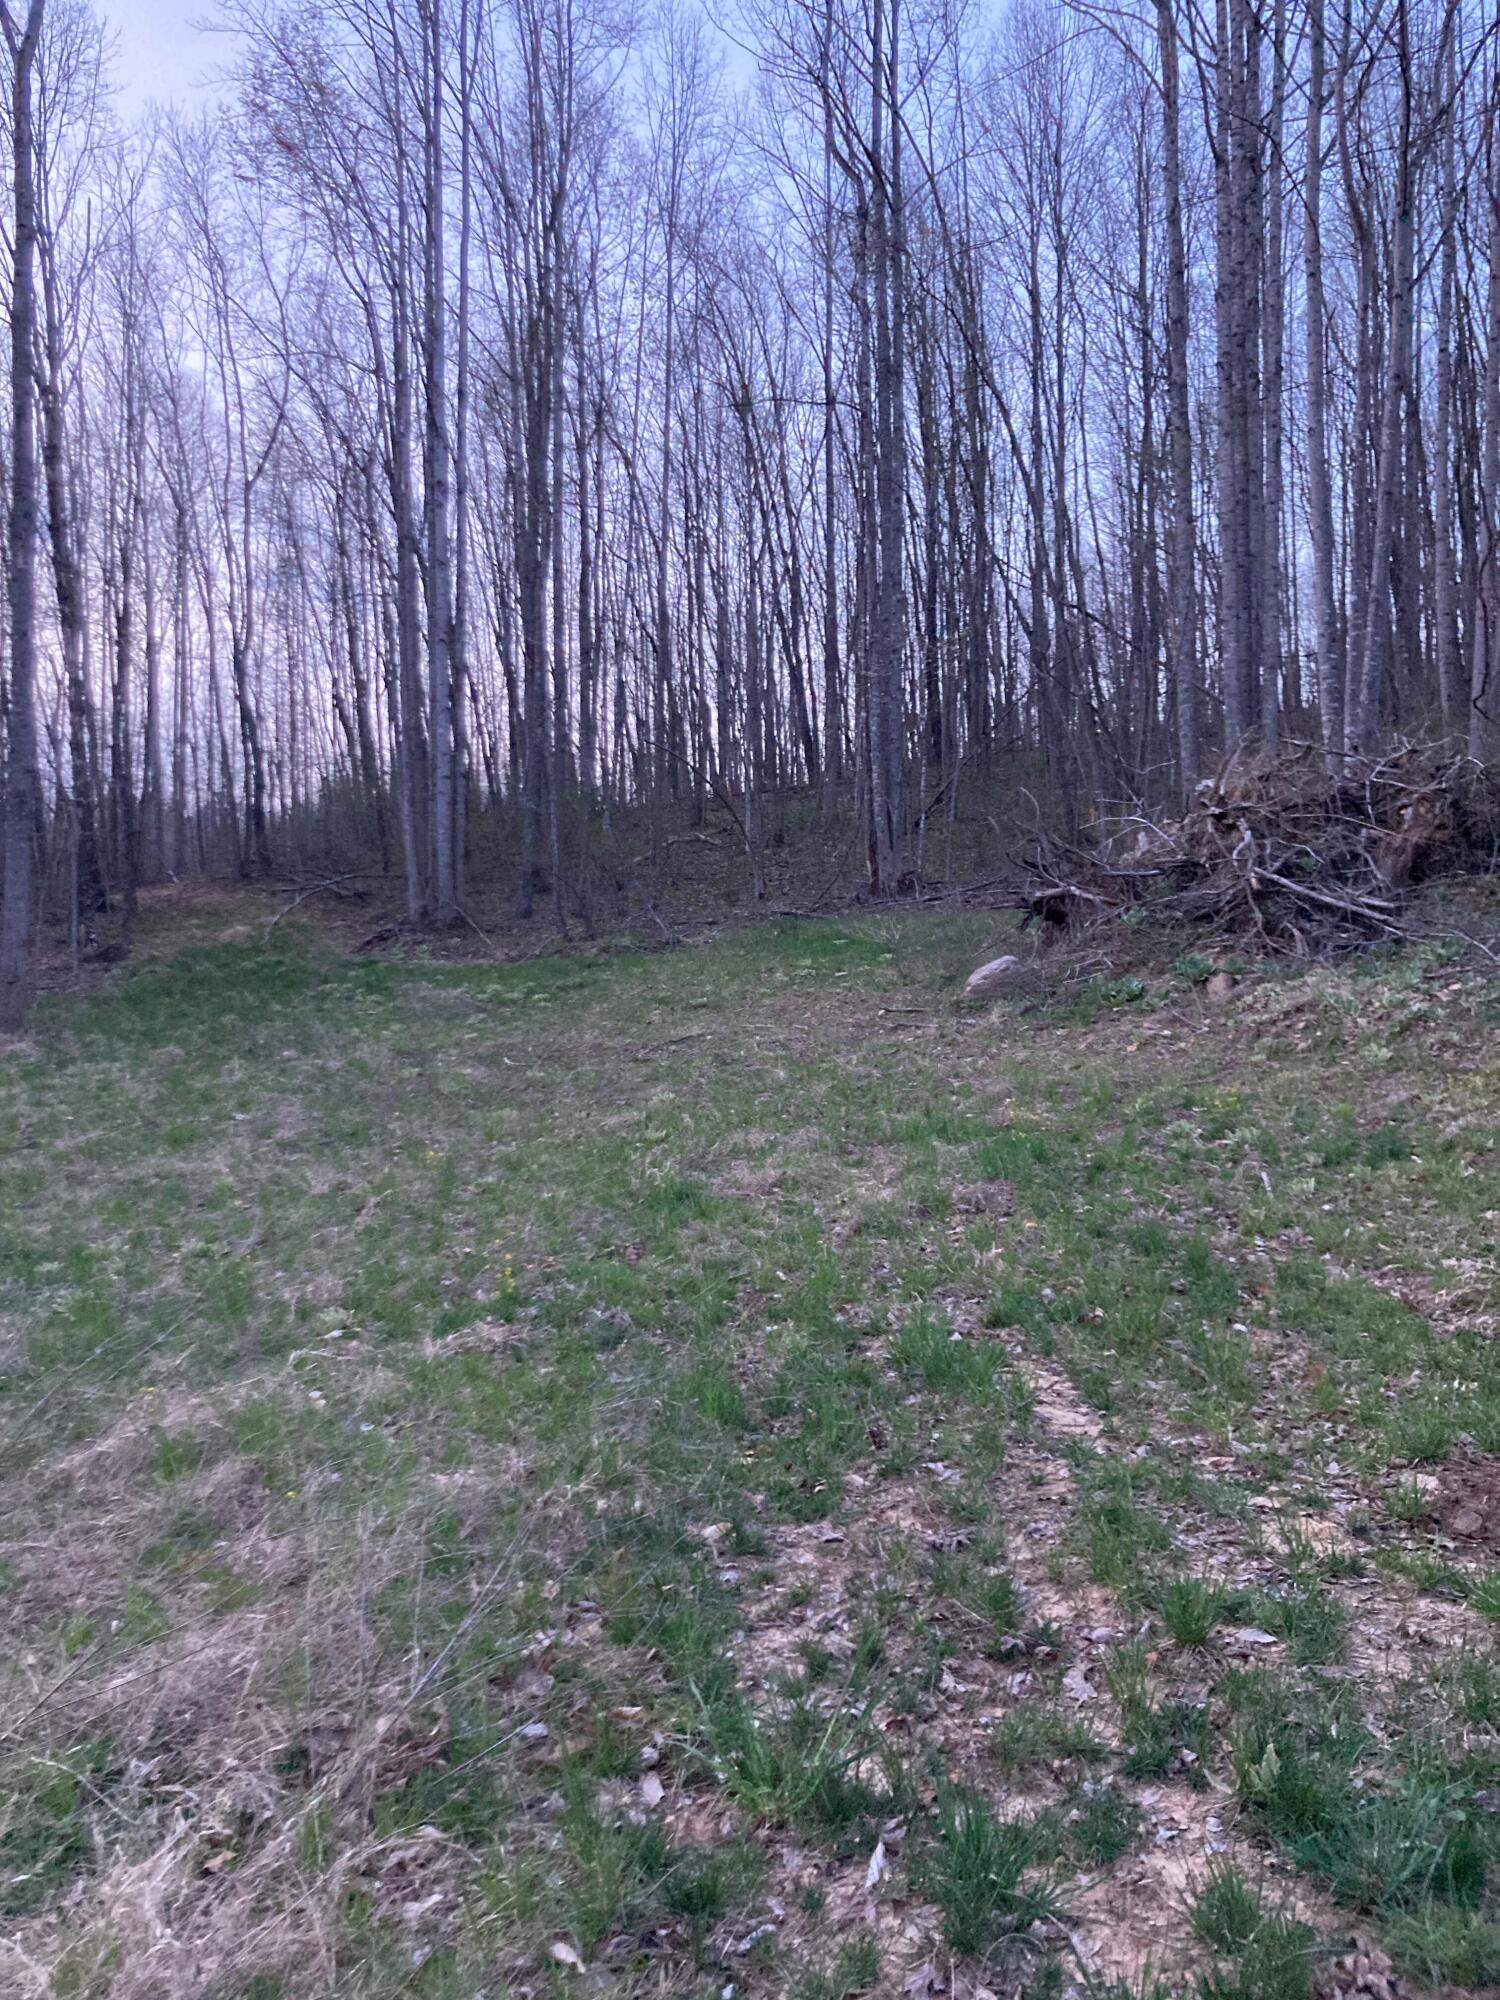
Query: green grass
pixel 1191 1608
pixel 851 1970
pixel 988 1876
pixel 1264 1954
pixel 1227 1912
pixel 548 1438
pixel 1100 1824
pixel 1034 1734
pixel 926 1350
pixel 44 1826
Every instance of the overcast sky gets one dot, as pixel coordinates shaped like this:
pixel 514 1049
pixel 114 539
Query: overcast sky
pixel 162 55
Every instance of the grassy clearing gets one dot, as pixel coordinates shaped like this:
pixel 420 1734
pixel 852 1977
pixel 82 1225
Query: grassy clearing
pixel 647 1474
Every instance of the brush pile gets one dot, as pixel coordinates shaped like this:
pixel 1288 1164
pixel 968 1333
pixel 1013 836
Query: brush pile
pixel 1279 853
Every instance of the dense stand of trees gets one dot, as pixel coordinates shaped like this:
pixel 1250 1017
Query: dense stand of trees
pixel 506 417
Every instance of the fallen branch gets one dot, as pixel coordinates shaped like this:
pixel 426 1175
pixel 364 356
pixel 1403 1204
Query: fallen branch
pixel 328 886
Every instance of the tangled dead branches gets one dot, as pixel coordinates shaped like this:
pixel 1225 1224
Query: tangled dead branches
pixel 1278 852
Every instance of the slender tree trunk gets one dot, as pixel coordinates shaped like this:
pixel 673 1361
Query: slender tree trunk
pixel 1444 573
pixel 833 725
pixel 442 798
pixel 585 437
pixel 1183 619
pixel 1229 470
pixel 1272 334
pixel 890 484
pixel 20 747
pixel 72 611
pixel 1377 583
pixel 1330 666
pixel 458 658
pixel 1484 679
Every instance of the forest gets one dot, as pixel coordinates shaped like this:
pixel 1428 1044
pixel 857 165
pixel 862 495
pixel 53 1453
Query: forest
pixel 504 441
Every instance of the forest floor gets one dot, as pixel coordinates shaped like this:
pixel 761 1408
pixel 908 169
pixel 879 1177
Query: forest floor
pixel 721 1473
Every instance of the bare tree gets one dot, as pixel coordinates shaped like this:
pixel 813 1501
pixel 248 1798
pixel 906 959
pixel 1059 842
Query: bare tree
pixel 20 801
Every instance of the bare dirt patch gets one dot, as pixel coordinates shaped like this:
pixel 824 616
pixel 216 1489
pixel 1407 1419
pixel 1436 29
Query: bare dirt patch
pixel 1465 1503
pixel 748 1181
pixel 995 1198
pixel 1060 1409
pixel 1132 1923
pixel 1396 1633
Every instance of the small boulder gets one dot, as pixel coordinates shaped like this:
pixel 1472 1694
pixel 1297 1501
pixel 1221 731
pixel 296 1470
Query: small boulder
pixel 988 980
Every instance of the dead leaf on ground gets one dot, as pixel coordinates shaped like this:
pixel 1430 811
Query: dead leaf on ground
pixel 1077 1685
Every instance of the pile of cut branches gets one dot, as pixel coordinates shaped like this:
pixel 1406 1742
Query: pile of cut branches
pixel 1280 852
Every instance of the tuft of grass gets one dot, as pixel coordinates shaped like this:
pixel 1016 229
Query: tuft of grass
pixel 1191 1608
pixel 614 1870
pixel 1294 1777
pixel 1424 1430
pixel 1158 1736
pixel 941 1361
pixel 1227 1912
pixel 1414 1846
pixel 1001 1603
pixel 853 1969
pixel 987 1875
pixel 1101 1824
pixel 704 1885
pixel 1036 1734
pixel 1407 1501
pixel 1386 1146
pixel 804 1768
pixel 1272 1955
pixel 1394 1842
pixel 45 1835
pixel 1474 1681
pixel 1167 1736
pixel 1442 1945
pixel 1280 1963
pixel 1119 1531
pixel 1310 1620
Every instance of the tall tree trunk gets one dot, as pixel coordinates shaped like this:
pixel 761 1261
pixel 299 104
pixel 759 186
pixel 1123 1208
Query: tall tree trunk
pixel 1330 666
pixel 1234 634
pixel 833 722
pixel 20 747
pixel 1377 582
pixel 890 483
pixel 1444 573
pixel 1484 679
pixel 1183 636
pixel 438 458
pixel 1272 334
pixel 72 613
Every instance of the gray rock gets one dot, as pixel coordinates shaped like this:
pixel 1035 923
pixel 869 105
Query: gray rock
pixel 990 979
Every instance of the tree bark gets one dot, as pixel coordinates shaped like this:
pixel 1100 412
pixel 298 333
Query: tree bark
pixel 16 886
pixel 1182 634
pixel 1329 664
